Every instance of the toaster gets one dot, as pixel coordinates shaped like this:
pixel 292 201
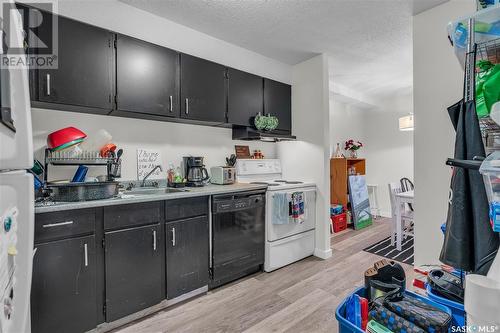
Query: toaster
pixel 222 175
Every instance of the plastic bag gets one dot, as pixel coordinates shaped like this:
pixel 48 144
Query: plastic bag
pixel 487 87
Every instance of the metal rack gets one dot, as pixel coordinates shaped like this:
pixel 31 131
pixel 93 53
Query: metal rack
pixel 62 158
pixel 489 50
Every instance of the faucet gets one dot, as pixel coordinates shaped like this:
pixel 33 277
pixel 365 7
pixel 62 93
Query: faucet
pixel 143 184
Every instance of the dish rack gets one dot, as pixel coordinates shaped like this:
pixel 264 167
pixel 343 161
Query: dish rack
pixel 89 158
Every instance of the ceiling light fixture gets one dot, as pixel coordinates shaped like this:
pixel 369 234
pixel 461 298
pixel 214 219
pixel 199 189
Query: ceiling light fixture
pixel 406 123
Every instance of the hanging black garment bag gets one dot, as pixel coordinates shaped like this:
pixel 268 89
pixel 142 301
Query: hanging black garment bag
pixel 469 243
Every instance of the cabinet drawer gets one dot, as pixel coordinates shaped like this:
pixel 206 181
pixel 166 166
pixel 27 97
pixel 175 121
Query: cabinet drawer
pixel 183 208
pixel 116 217
pixel 64 224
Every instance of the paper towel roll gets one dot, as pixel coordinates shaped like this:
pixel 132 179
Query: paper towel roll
pixel 482 300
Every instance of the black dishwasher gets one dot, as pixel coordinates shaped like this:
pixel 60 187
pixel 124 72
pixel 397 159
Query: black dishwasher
pixel 238 228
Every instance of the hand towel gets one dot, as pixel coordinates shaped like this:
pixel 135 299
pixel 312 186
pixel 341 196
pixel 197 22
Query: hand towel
pixel 280 208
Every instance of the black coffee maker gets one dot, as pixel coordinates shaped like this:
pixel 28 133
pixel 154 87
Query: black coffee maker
pixel 195 172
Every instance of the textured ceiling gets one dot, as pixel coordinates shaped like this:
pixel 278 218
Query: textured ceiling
pixel 368 41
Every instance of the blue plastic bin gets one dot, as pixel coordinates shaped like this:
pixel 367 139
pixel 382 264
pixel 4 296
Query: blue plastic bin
pixel 457 309
pixel 347 327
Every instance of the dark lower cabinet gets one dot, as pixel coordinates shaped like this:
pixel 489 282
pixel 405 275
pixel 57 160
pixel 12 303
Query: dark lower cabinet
pixel 278 102
pixel 133 270
pixel 63 292
pixel 187 255
pixel 146 78
pixel 244 97
pixel 203 90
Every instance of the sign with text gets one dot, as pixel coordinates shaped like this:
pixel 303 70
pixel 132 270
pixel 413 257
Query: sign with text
pixel 147 160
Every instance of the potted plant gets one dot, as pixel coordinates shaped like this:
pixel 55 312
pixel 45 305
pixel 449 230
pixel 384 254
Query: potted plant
pixel 353 147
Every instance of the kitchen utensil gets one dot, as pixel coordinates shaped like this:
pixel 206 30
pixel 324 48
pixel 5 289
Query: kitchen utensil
pixel 80 174
pixel 102 178
pixel 72 192
pixel 231 161
pixel 107 149
pixel 119 154
pixel 64 138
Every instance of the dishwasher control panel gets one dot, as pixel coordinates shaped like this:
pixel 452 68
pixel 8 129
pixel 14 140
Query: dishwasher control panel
pixel 238 203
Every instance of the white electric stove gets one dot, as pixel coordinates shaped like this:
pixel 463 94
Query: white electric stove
pixel 285 242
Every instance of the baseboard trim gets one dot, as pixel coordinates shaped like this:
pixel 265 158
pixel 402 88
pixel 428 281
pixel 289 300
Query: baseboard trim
pixel 323 254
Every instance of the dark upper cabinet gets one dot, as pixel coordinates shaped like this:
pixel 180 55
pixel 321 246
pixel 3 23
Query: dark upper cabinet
pixel 203 90
pixel 133 270
pixel 63 292
pixel 83 80
pixel 278 102
pixel 245 97
pixel 146 78
pixel 186 255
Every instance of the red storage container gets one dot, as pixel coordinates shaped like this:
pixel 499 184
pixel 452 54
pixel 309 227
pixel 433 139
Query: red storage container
pixel 339 222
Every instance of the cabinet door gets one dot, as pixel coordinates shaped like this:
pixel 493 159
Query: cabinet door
pixel 146 78
pixel 63 291
pixel 245 97
pixel 187 255
pixel 133 269
pixel 203 92
pixel 278 102
pixel 84 74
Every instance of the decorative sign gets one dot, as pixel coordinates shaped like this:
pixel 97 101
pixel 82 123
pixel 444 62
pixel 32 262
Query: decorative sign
pixel 242 151
pixel 147 160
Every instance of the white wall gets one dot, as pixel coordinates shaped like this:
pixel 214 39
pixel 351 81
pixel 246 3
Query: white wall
pixel 172 139
pixel 308 158
pixel 388 151
pixel 438 83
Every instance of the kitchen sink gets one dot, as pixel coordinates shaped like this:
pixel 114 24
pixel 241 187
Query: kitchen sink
pixel 155 190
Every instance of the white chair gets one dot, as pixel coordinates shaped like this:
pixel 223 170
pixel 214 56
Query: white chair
pixel 406 214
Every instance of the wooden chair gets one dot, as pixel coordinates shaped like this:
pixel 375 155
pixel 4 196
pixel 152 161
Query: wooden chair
pixel 406 214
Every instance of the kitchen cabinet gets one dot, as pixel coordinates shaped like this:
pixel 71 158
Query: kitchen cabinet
pixel 146 78
pixel 245 97
pixel 203 90
pixel 133 270
pixel 278 102
pixel 63 292
pixel 187 255
pixel 83 80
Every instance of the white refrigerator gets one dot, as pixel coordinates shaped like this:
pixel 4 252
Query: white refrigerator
pixel 16 185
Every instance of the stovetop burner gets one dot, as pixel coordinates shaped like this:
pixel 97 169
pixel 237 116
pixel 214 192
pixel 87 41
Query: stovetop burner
pixel 264 183
pixel 288 181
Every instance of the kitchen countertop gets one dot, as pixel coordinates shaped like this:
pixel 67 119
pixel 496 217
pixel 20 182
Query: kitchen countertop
pixel 210 189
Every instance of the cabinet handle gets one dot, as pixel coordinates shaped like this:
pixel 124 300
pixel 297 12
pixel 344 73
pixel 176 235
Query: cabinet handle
pixel 48 84
pixel 60 224
pixel 85 249
pixel 171 101
pixel 187 105
pixel 173 236
pixel 154 240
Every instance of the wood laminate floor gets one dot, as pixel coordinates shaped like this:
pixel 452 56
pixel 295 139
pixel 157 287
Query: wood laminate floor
pixel 301 297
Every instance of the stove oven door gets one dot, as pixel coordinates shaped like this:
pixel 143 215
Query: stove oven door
pixel 280 231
